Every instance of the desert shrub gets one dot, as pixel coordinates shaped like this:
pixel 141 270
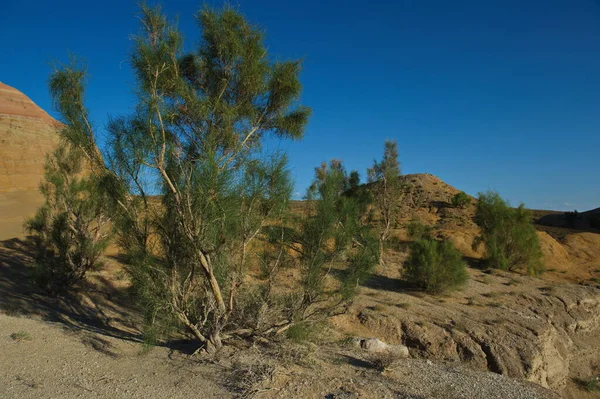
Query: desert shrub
pixel 419 231
pixel 435 266
pixel 332 233
pixel 461 200
pixel 387 192
pixel 590 384
pixel 247 378
pixel 510 239
pixel 20 336
pixel 299 332
pixel 70 230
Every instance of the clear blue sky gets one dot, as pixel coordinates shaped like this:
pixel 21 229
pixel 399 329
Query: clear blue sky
pixel 500 95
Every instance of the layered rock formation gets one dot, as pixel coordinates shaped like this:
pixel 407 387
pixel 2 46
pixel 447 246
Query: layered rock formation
pixel 27 135
pixel 513 325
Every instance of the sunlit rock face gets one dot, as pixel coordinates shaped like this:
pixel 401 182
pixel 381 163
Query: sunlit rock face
pixel 27 135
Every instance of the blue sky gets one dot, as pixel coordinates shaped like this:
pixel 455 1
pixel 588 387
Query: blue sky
pixel 494 94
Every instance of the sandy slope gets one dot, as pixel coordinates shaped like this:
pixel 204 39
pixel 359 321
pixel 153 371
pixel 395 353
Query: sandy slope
pixel 15 206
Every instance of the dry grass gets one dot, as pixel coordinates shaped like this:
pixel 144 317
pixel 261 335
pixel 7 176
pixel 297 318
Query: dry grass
pixel 384 360
pixel 248 379
pixel 20 336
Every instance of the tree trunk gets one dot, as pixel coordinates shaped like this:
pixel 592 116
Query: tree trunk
pixel 214 284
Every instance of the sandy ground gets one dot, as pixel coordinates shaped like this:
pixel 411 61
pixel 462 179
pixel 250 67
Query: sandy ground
pixel 52 362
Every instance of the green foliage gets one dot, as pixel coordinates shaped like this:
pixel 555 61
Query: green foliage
pixel 20 336
pixel 435 266
pixel 196 134
pixel 331 241
pixel 354 180
pixel 69 231
pixel 299 332
pixel 461 200
pixel 387 191
pixel 590 384
pixel 329 233
pixel 419 231
pixel 510 239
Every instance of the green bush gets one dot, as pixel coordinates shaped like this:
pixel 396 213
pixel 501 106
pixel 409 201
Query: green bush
pixel 70 230
pixel 461 200
pixel 435 266
pixel 419 231
pixel 511 241
pixel 300 332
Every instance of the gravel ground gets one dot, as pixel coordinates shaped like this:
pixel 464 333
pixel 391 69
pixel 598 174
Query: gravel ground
pixel 51 362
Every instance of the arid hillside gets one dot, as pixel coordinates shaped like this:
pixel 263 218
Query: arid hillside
pixel 27 134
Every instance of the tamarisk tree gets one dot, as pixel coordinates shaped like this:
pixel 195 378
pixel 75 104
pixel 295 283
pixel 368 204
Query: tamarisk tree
pixel 387 190
pixel 331 241
pixel 195 137
pixel 70 230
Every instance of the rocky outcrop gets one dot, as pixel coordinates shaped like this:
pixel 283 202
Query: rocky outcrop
pixel 525 329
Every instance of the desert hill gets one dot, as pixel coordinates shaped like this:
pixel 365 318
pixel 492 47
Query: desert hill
pixel 27 134
pixel 570 254
pixel 587 221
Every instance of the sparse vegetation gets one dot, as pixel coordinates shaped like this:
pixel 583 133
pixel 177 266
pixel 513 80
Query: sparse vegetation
pixel 510 239
pixel 247 379
pixel 435 266
pixel 461 200
pixel 20 336
pixel 591 384
pixel 419 231
pixel 300 332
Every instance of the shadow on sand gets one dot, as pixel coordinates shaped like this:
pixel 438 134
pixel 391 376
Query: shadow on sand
pixel 100 308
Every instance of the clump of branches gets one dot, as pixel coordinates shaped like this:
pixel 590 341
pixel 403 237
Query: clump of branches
pixel 510 239
pixel 248 378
